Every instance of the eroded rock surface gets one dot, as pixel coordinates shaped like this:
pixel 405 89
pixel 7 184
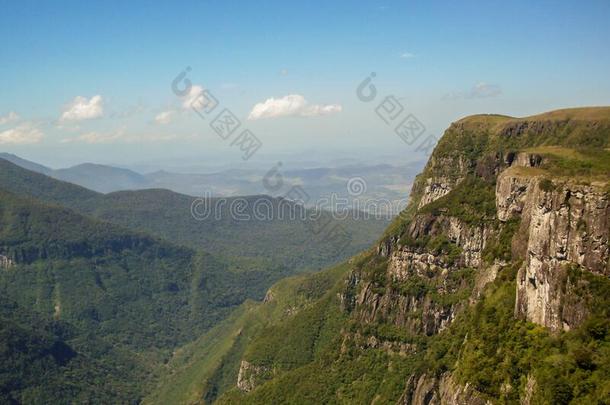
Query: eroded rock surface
pixel 563 223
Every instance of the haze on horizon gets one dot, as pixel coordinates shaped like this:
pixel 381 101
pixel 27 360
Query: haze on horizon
pixel 93 82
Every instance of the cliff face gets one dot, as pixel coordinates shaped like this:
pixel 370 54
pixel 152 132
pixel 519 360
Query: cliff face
pixel 563 223
pixel 419 290
pixel 443 180
pixel 451 243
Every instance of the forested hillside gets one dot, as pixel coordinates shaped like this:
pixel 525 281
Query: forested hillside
pixel 124 299
pixel 116 295
pixel 277 245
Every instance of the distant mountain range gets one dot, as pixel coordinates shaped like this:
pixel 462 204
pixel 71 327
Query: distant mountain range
pixel 383 181
pixel 101 178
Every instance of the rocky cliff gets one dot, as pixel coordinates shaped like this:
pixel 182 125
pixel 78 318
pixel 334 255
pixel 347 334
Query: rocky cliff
pixel 488 199
pixel 563 223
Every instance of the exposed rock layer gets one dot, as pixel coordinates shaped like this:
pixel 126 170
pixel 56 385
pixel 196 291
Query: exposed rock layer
pixel 563 224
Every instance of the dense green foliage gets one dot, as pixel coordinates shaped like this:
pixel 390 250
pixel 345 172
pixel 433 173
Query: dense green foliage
pixel 269 248
pixel 136 296
pixel 472 201
pixel 215 358
pixel 486 346
pixel 499 248
pixel 495 352
pixel 123 294
pixel 38 366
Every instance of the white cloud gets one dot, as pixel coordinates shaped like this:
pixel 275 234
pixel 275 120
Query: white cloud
pixel 25 133
pixel 82 109
pixel 199 98
pixel 194 98
pixel 10 117
pixel 407 55
pixel 479 90
pixel 165 117
pixel 293 105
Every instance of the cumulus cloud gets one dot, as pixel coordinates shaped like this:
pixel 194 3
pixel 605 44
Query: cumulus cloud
pixel 165 117
pixel 479 90
pixel 199 98
pixel 293 105
pixel 8 118
pixel 25 133
pixel 82 108
pixel 407 55
pixel 194 98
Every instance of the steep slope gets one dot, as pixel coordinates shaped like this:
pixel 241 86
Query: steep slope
pixel 101 276
pixel 492 287
pixel 127 299
pixel 217 358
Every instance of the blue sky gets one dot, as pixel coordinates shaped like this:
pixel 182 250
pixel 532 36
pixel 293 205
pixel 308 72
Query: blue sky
pixel 91 80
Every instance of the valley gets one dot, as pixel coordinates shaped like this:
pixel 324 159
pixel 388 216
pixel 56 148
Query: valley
pixel 101 267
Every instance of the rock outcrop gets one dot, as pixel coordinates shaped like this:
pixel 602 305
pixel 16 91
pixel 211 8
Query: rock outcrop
pixel 415 274
pixel 429 390
pixel 443 174
pixel 249 376
pixel 563 224
pixel 5 262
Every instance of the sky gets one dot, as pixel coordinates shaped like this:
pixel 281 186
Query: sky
pixel 92 81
